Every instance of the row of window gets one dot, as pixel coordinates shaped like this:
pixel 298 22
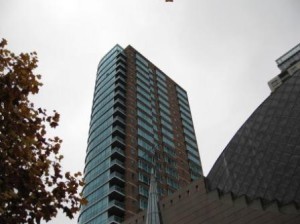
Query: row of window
pixel 110 70
pixel 101 119
pixel 91 186
pixel 144 125
pixel 94 210
pixel 141 65
pixel 104 98
pixel 143 191
pixel 190 142
pixel 97 112
pixel 145 156
pixel 161 75
pixel 97 170
pixel 143 92
pixel 144 166
pixel 142 71
pixel 186 120
pixel 165 122
pixel 170 161
pixel 189 133
pixel 142 84
pixel 143 100
pixel 161 82
pixel 195 166
pixel 144 108
pixel 142 77
pixel 167 133
pixel 184 106
pixel 168 142
pixel 101 218
pixel 182 111
pixel 110 55
pixel 145 135
pixel 142 60
pixel 144 116
pixel 98 139
pixel 143 203
pixel 187 125
pixel 115 61
pixel 105 76
pixel 98 130
pixel 171 152
pixel 195 159
pixel 192 150
pixel 163 101
pixel 109 79
pixel 92 152
pixel 172 183
pixel 97 160
pixel 145 145
pixel 96 195
pixel 163 93
pixel 143 178
pixel 181 92
pixel 165 110
pixel 171 171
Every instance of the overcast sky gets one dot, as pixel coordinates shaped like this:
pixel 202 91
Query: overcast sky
pixel 222 52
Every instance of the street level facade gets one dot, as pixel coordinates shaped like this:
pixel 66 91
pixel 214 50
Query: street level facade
pixel 140 120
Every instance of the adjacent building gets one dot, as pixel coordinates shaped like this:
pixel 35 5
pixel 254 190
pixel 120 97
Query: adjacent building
pixel 139 115
pixel 262 161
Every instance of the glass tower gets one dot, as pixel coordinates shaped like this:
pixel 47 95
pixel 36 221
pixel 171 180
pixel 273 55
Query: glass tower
pixel 138 113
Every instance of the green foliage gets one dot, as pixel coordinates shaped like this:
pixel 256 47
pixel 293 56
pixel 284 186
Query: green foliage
pixel 32 185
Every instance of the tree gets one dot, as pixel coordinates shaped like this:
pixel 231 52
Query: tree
pixel 32 185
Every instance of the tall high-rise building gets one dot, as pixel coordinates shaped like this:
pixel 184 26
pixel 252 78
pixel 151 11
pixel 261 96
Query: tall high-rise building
pixel 139 115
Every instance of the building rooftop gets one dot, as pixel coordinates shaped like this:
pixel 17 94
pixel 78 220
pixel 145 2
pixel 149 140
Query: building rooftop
pixel 289 58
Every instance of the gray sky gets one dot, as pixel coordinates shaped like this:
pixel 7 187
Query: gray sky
pixel 221 52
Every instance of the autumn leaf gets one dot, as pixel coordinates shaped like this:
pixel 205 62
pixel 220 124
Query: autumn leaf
pixel 32 184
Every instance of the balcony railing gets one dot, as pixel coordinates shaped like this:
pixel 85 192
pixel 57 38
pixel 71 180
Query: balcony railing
pixel 116 203
pixel 115 219
pixel 117 153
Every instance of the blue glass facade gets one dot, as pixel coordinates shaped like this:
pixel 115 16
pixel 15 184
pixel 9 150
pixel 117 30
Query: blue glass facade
pixel 104 169
pixel 136 111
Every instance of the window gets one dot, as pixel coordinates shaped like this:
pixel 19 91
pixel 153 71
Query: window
pixel 143 178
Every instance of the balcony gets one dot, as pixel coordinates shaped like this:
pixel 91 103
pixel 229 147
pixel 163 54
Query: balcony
pixel 120 78
pixel 120 86
pixel 116 207
pixel 120 112
pixel 120 94
pixel 116 193
pixel 119 121
pixel 121 58
pixel 118 153
pixel 121 73
pixel 117 141
pixel 118 131
pixel 117 165
pixel 119 103
pixel 117 178
pixel 114 220
pixel 121 67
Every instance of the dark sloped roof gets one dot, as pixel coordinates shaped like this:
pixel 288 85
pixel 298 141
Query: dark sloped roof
pixel 262 161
